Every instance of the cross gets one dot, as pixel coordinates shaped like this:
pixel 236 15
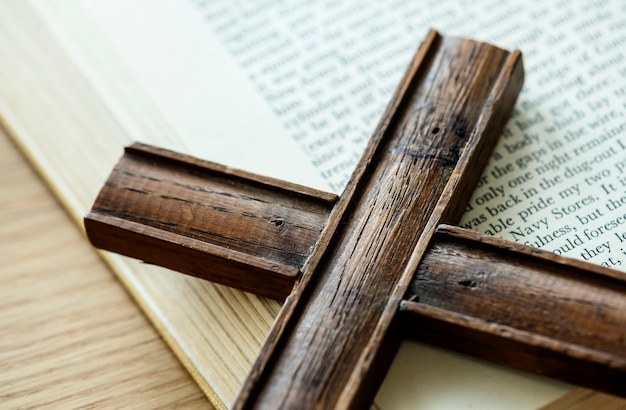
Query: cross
pixel 382 261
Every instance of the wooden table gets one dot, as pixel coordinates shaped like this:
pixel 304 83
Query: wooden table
pixel 70 336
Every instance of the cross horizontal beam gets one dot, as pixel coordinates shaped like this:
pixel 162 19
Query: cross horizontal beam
pixel 228 226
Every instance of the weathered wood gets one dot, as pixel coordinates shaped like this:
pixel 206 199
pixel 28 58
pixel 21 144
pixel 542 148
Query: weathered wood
pixel 325 349
pixel 522 307
pixel 228 226
pixel 371 264
pixel 330 341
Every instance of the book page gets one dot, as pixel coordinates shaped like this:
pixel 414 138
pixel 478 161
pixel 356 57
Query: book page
pixel 197 88
pixel 319 75
pixel 558 177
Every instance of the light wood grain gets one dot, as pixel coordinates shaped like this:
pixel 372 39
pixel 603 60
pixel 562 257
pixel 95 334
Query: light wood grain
pixel 583 399
pixel 70 336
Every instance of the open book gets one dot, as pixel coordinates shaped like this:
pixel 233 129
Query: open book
pixel 293 90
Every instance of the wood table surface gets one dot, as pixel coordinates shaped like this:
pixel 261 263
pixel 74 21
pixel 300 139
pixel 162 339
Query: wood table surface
pixel 70 335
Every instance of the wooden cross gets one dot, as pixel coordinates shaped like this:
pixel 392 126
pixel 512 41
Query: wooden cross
pixel 377 264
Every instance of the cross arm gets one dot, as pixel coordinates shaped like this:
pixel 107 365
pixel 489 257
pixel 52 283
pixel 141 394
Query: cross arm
pixel 210 221
pixel 522 307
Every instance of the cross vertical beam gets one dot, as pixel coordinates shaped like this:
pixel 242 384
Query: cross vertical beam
pixel 326 346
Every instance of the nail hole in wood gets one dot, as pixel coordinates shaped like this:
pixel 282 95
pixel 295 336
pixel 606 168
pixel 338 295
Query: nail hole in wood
pixel 277 222
pixel 468 283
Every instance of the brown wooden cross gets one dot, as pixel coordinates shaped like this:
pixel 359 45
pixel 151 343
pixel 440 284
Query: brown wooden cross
pixel 377 263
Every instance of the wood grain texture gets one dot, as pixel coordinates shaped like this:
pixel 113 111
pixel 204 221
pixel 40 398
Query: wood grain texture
pixel 70 336
pixel 330 345
pixel 583 399
pixel 521 307
pixel 228 226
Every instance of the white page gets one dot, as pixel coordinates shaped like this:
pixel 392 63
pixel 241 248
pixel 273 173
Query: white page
pixel 198 89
